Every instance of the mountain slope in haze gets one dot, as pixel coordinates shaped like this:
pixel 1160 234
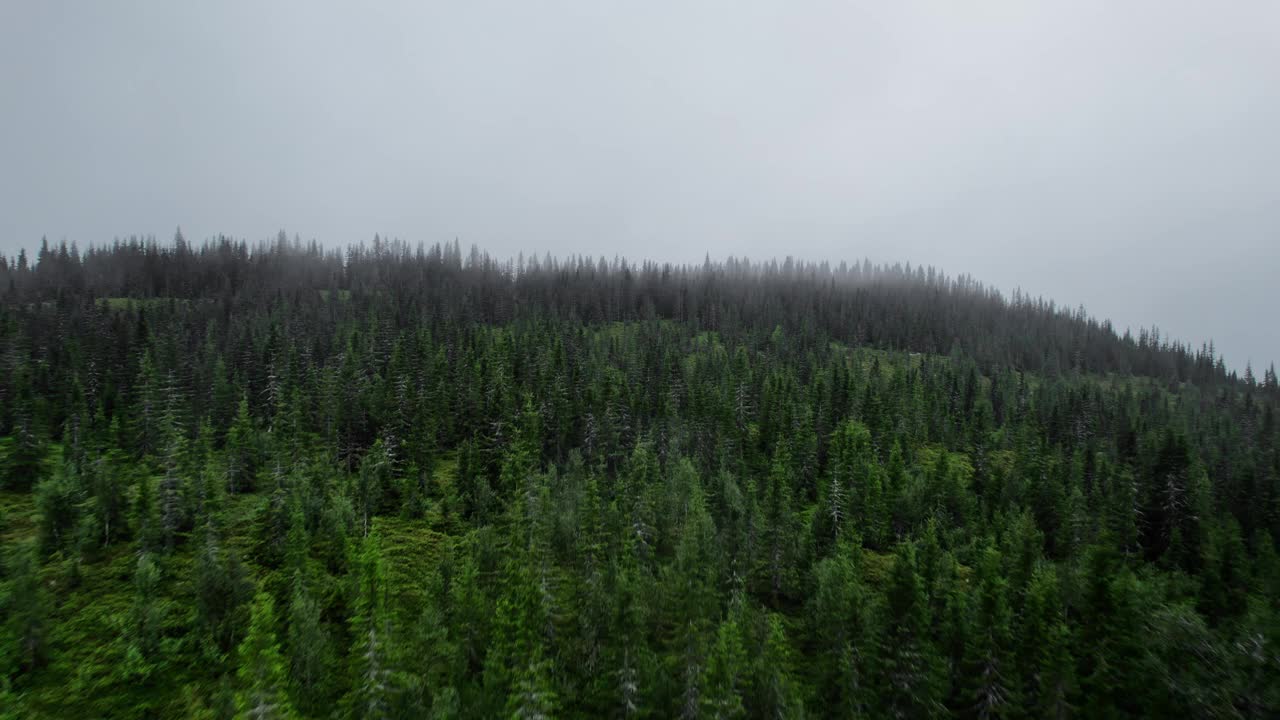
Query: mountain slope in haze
pixel 400 482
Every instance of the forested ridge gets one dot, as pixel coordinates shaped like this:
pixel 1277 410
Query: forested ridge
pixel 277 481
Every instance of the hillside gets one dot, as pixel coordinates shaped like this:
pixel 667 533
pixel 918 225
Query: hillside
pixel 401 482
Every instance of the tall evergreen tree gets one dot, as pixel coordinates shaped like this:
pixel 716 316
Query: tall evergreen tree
pixel 262 668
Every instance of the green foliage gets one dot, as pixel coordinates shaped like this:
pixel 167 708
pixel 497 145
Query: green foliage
pixel 22 454
pixel 222 591
pixel 59 499
pixel 143 633
pixel 909 671
pixel 283 483
pixel 26 608
pixel 727 673
pixel 310 655
pixel 261 668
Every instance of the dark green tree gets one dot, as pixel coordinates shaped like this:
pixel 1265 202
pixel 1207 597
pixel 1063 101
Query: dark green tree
pixel 909 674
pixel 262 674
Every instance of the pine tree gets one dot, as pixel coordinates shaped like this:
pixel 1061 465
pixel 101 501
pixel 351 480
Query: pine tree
pixel 779 532
pixel 143 634
pixel 779 696
pixel 262 669
pixel 309 653
pixel 1110 678
pixel 1223 588
pixel 989 667
pixel 60 501
pixel 631 658
pixel 857 484
pixel 241 451
pixel 22 465
pixel 108 477
pixel 26 612
pixel 173 483
pixel 370 697
pixel 837 625
pixel 147 422
pixel 909 672
pixel 372 483
pixel 222 592
pixel 694 571
pixel 434 653
pixel 1044 649
pixel 532 696
pixel 517 671
pixel 726 673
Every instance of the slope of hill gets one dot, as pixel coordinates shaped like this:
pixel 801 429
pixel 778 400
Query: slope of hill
pixel 402 483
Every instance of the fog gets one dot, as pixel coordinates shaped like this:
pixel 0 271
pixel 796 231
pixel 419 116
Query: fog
pixel 1123 156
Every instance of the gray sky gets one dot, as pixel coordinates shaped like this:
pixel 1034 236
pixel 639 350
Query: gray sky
pixel 1123 155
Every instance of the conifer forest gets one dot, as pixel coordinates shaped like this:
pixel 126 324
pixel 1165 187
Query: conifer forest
pixel 272 480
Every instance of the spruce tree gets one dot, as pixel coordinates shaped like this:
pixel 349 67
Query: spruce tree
pixel 261 672
pixel 909 674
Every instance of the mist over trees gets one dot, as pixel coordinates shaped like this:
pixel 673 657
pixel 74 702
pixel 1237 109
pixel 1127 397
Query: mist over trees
pixel 891 307
pixel 277 481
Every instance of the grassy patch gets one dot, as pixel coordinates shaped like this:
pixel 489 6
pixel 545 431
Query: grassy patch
pixel 18 517
pixel 411 551
pixel 131 303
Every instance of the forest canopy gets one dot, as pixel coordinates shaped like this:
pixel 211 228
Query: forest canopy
pixel 389 481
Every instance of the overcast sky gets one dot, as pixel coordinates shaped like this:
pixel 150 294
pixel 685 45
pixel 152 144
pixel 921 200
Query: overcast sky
pixel 1120 155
